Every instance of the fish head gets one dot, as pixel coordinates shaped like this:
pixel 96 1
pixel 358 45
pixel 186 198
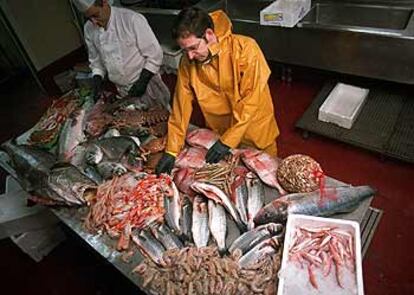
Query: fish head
pixel 273 212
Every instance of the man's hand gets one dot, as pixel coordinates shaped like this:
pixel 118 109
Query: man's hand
pixel 165 164
pixel 97 87
pixel 217 152
pixel 140 86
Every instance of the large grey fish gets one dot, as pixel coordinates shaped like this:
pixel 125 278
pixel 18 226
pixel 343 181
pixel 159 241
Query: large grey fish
pixel 72 133
pixel 251 238
pixel 67 185
pixel 332 200
pixel 173 210
pixel 167 238
pixel 31 164
pixel 199 229
pixel 217 223
pixel 214 193
pixel 187 218
pixel 240 195
pixel 255 200
pixel 149 246
pixel 266 247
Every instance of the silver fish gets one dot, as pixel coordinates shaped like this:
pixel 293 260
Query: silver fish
pixel 332 200
pixel 149 246
pixel 217 223
pixel 167 238
pixel 173 210
pixel 266 247
pixel 240 195
pixel 217 195
pixel 255 200
pixel 72 133
pixel 251 238
pixel 199 228
pixel 186 220
pixel 31 164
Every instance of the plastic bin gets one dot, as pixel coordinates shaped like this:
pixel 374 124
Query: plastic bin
pixel 284 13
pixel 343 105
pixel 293 280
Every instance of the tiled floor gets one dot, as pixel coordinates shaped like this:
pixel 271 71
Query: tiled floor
pixel 73 268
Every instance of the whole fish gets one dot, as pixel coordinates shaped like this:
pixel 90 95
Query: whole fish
pixel 187 218
pixel 264 166
pixel 67 185
pixel 31 164
pixel 167 238
pixel 332 200
pixel 217 195
pixel 199 227
pixel 149 246
pixel 183 178
pixel 218 224
pixel 266 247
pixel 255 200
pixel 173 210
pixel 251 238
pixel 239 197
pixel 200 137
pixel 72 133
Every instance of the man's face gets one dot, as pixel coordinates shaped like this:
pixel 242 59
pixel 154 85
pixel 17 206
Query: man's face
pixel 195 48
pixel 99 15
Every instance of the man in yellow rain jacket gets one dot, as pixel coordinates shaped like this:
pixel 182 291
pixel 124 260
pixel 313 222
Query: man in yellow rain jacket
pixel 227 74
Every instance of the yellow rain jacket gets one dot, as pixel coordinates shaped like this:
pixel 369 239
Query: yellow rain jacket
pixel 232 92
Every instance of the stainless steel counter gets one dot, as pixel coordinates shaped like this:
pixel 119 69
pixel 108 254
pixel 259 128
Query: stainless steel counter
pixel 362 38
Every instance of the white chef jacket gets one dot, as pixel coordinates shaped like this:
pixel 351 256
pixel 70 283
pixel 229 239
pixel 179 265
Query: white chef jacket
pixel 127 46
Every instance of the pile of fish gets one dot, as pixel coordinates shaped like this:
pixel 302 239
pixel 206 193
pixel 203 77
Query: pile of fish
pixel 202 271
pixel 323 249
pixel 129 202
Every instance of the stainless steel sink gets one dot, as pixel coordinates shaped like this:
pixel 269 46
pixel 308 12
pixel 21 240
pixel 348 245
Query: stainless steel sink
pixel 353 17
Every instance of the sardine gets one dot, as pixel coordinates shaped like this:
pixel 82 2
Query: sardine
pixel 250 239
pixel 199 227
pixel 173 210
pixel 72 133
pixel 255 199
pixel 333 200
pixel 217 195
pixel 149 246
pixel 167 238
pixel 218 224
pixel 31 164
pixel 187 218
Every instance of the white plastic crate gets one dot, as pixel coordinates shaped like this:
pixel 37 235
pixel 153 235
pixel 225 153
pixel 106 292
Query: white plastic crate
pixel 293 280
pixel 284 13
pixel 343 105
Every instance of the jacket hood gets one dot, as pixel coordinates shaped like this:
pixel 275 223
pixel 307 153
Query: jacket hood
pixel 222 24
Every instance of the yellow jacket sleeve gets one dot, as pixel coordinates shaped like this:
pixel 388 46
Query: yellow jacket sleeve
pixel 181 110
pixel 254 76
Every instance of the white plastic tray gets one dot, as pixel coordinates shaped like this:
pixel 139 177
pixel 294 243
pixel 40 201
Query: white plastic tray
pixel 299 279
pixel 343 105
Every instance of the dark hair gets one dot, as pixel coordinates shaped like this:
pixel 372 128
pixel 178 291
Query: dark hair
pixel 98 3
pixel 191 20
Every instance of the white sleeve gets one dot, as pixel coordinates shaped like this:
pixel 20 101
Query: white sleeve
pixel 147 44
pixel 95 62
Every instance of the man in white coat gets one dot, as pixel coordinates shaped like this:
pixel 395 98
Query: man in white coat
pixel 122 45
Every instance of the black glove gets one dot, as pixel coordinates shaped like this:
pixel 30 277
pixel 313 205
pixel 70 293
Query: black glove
pixel 97 87
pixel 165 164
pixel 217 152
pixel 140 86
